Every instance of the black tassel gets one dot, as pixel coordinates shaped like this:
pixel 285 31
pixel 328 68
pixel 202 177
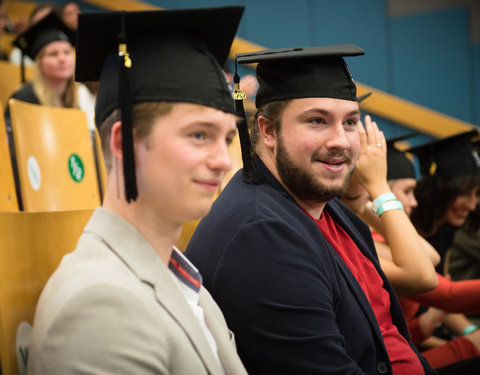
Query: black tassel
pixel 131 192
pixel 249 173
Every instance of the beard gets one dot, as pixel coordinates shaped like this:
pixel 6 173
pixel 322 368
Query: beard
pixel 301 182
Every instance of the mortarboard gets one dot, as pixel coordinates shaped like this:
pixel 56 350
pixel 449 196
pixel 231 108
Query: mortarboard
pixel 45 31
pixel 447 157
pixel 304 72
pixel 398 164
pixel 293 73
pixel 146 56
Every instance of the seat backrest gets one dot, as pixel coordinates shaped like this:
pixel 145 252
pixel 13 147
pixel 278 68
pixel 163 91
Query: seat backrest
pixel 8 195
pixel 31 247
pixel 10 79
pixel 55 158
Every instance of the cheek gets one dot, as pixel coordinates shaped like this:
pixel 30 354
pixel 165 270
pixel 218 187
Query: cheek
pixel 354 140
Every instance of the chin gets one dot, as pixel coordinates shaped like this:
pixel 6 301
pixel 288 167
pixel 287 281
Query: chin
pixel 197 213
pixel 456 221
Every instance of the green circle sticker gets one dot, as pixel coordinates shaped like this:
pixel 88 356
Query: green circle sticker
pixel 75 167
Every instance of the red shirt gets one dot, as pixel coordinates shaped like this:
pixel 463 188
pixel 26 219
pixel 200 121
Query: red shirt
pixel 404 360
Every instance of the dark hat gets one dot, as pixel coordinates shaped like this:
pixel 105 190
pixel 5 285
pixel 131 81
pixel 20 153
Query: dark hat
pixel 447 157
pixel 304 72
pixel 47 30
pixel 147 56
pixel 398 164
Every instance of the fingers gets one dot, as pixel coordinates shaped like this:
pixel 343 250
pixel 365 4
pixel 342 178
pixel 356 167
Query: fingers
pixel 374 136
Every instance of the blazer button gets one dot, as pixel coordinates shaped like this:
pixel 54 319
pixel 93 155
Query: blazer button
pixel 382 368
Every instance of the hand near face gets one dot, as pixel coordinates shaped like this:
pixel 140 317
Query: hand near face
pixel 371 168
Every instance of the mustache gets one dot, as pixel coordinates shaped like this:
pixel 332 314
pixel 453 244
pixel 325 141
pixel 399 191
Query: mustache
pixel 344 155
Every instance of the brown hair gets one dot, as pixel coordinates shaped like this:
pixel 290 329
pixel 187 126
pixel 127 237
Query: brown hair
pixel 143 119
pixel 273 112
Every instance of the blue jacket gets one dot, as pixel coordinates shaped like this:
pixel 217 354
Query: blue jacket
pixel 291 301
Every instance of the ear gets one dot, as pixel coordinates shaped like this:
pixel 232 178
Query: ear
pixel 267 132
pixel 116 140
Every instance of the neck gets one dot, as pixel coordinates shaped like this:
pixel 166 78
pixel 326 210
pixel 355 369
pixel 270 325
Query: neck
pixel 159 231
pixel 59 87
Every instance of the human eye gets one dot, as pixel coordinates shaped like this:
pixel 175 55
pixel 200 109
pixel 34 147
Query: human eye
pixel 229 140
pixel 198 135
pixel 352 121
pixel 317 121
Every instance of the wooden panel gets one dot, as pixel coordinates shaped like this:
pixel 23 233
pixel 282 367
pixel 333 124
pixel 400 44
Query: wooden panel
pixel 10 79
pixel 8 196
pixel 31 248
pixel 122 4
pixel 55 158
pixel 16 9
pixel 410 114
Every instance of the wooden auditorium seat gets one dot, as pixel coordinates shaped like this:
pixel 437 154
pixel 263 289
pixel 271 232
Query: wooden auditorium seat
pixel 31 247
pixel 8 195
pixel 10 79
pixel 55 158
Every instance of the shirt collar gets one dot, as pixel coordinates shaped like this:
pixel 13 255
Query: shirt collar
pixel 185 271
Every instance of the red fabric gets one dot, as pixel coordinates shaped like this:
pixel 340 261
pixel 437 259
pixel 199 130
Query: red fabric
pixel 455 350
pixel 453 296
pixel 416 334
pixel 403 358
pixel 377 236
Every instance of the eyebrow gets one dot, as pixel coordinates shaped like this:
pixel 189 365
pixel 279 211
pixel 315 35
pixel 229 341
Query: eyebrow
pixel 325 112
pixel 211 125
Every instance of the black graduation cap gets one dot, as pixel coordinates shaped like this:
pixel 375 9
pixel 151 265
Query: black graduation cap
pixel 363 97
pixel 447 157
pixel 293 73
pixel 303 72
pixel 398 164
pixel 47 30
pixel 146 56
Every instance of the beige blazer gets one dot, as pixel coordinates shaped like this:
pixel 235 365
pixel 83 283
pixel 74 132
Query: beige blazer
pixel 112 307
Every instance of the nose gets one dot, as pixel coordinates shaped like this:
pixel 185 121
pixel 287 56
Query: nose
pixel 413 201
pixel 337 138
pixel 219 158
pixel 472 200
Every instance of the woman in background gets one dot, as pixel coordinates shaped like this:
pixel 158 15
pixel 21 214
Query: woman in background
pixel 50 44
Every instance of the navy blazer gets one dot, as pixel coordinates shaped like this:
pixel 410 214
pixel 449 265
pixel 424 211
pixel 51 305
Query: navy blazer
pixel 292 302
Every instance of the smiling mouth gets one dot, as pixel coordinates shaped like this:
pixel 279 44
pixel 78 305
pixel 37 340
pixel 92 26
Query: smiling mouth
pixel 209 185
pixel 334 164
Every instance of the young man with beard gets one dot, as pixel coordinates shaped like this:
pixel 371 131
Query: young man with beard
pixel 293 270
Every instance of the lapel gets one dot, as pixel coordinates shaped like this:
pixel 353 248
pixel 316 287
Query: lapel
pixel 226 349
pixel 126 242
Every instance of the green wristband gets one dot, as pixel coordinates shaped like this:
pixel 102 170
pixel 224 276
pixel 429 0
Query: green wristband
pixel 381 199
pixel 471 328
pixel 390 205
